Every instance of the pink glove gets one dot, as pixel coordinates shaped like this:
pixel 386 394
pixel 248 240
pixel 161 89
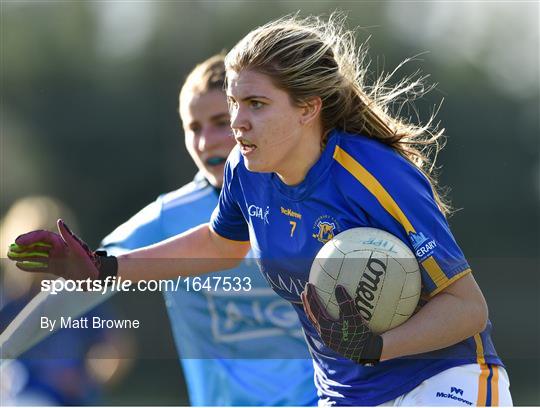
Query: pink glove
pixel 63 255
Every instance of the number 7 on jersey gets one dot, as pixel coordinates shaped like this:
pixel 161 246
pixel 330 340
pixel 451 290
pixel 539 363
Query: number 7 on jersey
pixel 293 227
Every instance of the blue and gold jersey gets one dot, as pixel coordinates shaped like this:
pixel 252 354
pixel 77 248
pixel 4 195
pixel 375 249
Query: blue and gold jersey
pixel 357 182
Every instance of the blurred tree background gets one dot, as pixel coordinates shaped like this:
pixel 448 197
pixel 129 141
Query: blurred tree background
pixel 88 115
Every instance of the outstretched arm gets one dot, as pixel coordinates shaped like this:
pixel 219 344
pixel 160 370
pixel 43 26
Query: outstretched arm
pixel 194 252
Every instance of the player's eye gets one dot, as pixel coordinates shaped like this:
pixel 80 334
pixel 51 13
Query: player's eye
pixel 256 104
pixel 223 123
pixel 195 129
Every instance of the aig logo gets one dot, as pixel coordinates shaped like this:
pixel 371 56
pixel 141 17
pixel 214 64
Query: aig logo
pixel 258 212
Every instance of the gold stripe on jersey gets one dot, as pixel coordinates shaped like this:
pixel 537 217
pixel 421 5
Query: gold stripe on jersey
pixel 360 173
pixel 447 282
pixel 484 371
pixel 479 349
pixel 495 386
pixel 482 386
pixel 435 272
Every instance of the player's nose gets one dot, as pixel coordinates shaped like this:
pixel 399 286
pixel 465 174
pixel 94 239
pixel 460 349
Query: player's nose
pixel 239 121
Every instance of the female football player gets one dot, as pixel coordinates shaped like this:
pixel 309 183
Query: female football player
pixel 320 150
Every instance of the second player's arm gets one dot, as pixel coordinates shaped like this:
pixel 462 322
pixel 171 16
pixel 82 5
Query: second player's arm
pixel 197 251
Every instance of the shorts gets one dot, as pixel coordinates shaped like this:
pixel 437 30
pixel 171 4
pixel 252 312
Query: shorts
pixel 466 385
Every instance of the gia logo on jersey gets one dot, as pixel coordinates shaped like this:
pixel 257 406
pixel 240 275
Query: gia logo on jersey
pixel 325 228
pixel 258 212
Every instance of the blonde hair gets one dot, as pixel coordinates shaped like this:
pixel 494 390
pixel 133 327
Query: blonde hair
pixel 205 77
pixel 313 57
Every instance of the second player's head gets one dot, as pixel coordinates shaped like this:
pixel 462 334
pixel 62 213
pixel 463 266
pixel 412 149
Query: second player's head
pixel 205 118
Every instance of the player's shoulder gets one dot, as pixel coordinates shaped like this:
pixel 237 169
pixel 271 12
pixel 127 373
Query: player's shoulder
pixel 365 149
pixel 372 155
pixel 186 195
pixel 373 163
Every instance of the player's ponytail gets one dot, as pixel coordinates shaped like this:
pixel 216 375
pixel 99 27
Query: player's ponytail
pixel 315 57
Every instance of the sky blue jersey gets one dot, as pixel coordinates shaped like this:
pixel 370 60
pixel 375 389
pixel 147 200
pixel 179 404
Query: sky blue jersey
pixel 221 335
pixel 357 182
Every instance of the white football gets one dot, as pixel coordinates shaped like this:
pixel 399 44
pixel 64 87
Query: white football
pixel 376 268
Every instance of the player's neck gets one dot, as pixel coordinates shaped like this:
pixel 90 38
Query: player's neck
pixel 301 159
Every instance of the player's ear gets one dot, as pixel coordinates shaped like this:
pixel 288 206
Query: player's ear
pixel 310 110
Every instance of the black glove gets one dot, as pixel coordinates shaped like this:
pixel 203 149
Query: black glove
pixel 348 335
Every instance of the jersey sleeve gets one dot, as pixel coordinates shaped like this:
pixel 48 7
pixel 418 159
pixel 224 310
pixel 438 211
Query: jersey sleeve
pixel 227 219
pixel 143 229
pixel 402 202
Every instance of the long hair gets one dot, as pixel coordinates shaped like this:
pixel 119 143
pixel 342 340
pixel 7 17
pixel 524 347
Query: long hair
pixel 309 57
